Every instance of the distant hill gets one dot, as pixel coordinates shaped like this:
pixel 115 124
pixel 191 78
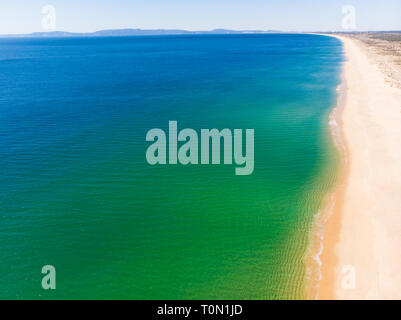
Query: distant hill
pixel 132 32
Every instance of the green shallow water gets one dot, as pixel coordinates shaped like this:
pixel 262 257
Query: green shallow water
pixel 76 191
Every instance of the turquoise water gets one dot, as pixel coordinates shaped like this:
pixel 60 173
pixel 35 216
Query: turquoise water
pixel 76 191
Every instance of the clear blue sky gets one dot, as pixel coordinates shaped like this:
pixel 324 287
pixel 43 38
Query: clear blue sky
pixel 24 16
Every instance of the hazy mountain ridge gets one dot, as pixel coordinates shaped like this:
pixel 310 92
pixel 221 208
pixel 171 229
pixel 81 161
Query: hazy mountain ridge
pixel 132 32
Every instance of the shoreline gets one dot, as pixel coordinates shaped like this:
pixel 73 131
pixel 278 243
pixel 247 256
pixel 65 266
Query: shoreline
pixel 361 236
pixel 329 217
pixel 331 226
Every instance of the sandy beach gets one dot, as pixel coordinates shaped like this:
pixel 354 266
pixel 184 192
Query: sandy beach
pixel 361 256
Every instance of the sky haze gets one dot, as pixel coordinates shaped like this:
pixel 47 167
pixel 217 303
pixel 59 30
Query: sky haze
pixel 25 16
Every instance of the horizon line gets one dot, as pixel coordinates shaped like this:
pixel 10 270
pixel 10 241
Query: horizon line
pixel 177 31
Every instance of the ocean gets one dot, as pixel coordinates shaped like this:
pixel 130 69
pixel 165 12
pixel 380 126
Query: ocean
pixel 77 193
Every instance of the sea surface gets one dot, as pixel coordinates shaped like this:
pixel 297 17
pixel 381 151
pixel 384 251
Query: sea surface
pixel 77 193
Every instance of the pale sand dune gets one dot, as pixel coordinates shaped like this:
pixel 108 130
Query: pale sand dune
pixel 364 232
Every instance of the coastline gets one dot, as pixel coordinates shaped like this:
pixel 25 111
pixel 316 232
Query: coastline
pixel 361 237
pixel 327 221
